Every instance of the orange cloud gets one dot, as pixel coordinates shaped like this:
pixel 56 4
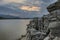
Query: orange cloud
pixel 30 8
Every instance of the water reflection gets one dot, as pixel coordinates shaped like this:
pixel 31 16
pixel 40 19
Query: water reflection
pixel 12 29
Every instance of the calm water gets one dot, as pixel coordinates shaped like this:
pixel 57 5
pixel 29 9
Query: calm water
pixel 12 29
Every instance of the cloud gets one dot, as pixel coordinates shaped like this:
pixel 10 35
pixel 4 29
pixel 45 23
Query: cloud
pixel 3 2
pixel 30 8
pixel 16 1
pixel 21 8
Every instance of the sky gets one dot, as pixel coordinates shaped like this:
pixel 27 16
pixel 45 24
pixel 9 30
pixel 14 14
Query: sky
pixel 25 8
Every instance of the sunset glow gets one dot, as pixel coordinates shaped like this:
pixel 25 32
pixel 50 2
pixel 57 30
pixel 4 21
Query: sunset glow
pixel 30 8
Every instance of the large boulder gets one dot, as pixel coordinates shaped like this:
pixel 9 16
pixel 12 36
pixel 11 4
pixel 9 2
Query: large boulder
pixel 55 28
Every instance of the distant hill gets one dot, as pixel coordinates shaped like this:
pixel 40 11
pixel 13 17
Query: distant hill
pixel 8 17
pixel 2 16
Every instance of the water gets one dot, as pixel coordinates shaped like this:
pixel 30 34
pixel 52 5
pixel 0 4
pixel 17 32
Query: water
pixel 12 29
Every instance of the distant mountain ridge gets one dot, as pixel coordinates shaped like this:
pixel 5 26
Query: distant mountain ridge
pixel 8 17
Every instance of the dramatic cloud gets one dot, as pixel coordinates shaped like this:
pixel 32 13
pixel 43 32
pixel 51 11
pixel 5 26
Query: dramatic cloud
pixel 21 8
pixel 2 2
pixel 16 1
pixel 30 8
